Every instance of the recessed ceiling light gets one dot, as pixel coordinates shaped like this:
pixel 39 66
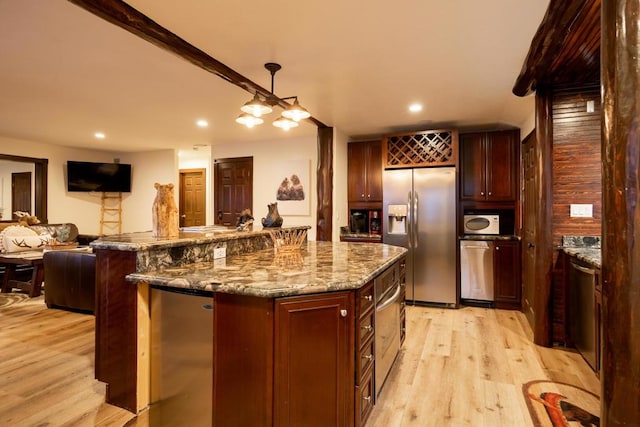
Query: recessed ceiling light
pixel 202 123
pixel 414 108
pixel 99 135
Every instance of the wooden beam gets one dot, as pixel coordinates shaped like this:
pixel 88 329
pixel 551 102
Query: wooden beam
pixel 553 35
pixel 124 16
pixel 621 227
pixel 325 184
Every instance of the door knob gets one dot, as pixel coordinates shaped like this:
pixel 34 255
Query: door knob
pixel 531 245
pixel 183 216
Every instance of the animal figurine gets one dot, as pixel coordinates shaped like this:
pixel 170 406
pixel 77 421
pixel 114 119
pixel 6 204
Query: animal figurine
pixel 245 221
pixel 26 219
pixel 273 218
pixel 164 212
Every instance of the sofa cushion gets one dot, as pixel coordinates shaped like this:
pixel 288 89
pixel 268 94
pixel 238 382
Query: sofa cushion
pixel 66 232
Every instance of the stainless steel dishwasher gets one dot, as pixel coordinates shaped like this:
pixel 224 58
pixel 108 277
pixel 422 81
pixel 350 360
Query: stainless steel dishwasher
pixel 181 357
pixel 476 270
pixel 582 321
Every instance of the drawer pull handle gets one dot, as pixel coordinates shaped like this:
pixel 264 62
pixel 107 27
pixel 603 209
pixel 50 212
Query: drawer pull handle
pixel 366 398
pixel 367 328
pixel 368 357
pixel 368 297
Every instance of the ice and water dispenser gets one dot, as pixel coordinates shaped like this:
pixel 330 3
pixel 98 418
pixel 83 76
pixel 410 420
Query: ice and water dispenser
pixel 397 217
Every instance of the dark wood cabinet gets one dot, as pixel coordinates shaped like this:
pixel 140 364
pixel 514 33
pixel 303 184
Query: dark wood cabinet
pixel 314 360
pixel 489 166
pixel 365 174
pixel 365 353
pixel 506 274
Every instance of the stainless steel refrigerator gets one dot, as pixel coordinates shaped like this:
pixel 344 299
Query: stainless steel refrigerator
pixel 420 214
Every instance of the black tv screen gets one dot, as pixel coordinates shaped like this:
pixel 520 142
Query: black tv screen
pixel 102 177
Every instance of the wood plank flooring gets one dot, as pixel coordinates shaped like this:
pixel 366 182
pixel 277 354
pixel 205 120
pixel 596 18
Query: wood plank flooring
pixel 460 367
pixel 466 367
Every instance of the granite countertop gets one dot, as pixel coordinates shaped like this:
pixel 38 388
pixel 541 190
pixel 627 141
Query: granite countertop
pixel 187 236
pixel 489 237
pixel 591 256
pixel 317 267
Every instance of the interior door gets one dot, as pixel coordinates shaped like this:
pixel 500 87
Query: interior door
pixel 234 189
pixel 21 192
pixel 529 209
pixel 192 203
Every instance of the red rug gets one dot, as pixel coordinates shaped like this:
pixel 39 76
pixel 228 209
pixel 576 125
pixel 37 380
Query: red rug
pixel 554 404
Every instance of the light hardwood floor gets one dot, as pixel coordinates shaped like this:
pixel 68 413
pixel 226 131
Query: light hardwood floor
pixel 457 368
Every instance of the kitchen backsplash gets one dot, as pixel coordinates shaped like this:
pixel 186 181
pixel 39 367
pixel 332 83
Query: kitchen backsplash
pixel 581 242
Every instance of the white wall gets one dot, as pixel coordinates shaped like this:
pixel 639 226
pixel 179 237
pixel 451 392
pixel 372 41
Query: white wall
pixel 6 169
pixel 83 209
pixel 265 154
pixel 147 168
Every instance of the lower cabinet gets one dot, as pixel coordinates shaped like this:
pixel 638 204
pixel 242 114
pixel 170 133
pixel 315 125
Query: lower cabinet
pixel 313 372
pixel 507 285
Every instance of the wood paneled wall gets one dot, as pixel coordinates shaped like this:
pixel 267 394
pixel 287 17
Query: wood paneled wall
pixel 577 173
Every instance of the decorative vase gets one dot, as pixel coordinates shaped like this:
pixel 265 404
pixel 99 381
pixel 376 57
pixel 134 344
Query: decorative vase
pixel 273 218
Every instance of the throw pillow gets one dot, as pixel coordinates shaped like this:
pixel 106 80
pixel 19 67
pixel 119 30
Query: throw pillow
pixel 17 238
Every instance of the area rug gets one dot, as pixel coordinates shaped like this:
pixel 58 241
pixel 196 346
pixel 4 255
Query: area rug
pixel 9 299
pixel 555 404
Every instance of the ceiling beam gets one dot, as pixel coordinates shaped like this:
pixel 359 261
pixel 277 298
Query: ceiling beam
pixel 124 16
pixel 556 39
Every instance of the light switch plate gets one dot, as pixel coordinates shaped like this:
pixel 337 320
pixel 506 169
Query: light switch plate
pixel 219 253
pixel 581 210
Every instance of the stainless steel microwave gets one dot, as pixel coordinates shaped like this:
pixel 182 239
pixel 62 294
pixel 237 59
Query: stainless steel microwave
pixel 482 224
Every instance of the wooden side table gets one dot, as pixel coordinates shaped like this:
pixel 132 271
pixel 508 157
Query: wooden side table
pixel 30 258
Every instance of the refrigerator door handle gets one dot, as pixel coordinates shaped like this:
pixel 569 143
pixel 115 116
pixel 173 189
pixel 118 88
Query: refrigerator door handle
pixel 416 200
pixel 409 220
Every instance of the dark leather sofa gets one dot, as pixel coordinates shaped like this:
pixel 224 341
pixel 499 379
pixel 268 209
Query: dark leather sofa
pixel 70 280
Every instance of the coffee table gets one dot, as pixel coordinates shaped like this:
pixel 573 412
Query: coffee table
pixel 30 258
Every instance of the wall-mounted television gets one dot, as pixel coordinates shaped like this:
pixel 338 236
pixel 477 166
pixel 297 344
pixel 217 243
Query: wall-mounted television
pixel 102 177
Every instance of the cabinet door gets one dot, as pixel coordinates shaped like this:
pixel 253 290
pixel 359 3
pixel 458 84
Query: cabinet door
pixel 374 172
pixel 501 166
pixel 357 170
pixel 472 166
pixel 506 272
pixel 314 360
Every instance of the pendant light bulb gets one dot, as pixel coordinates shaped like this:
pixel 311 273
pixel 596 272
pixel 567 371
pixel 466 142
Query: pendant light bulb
pixel 249 120
pixel 256 107
pixel 296 112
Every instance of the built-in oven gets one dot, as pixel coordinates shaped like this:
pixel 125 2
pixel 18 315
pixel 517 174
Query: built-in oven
pixel 387 323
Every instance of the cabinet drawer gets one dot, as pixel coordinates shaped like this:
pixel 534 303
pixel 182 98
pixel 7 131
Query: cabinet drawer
pixel 403 326
pixel 365 328
pixel 364 360
pixel 364 299
pixel 364 399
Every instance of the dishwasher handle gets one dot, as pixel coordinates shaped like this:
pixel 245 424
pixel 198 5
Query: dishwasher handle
pixel 391 299
pixel 582 269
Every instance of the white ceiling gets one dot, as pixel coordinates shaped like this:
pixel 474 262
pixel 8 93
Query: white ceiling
pixel 355 65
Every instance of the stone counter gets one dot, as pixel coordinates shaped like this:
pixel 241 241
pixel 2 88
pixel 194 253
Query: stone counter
pixel 317 267
pixel 589 255
pixel 489 237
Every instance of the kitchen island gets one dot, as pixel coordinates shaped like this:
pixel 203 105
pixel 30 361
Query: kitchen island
pixel 284 336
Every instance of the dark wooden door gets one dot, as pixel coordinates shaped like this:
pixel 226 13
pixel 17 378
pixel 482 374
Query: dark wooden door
pixel 472 166
pixel 374 171
pixel 357 159
pixel 529 209
pixel 501 165
pixel 314 360
pixel 233 189
pixel 21 192
pixel 193 197
pixel 506 272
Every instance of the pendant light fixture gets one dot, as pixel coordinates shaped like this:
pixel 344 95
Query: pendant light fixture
pixel 256 108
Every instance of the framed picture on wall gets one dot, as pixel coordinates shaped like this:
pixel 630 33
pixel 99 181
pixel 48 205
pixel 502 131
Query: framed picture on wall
pixel 291 186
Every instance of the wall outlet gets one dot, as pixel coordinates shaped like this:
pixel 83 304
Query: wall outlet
pixel 581 211
pixel 219 253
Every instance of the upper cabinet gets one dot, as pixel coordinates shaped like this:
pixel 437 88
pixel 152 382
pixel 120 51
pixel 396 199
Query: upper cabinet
pixel 488 166
pixel 365 174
